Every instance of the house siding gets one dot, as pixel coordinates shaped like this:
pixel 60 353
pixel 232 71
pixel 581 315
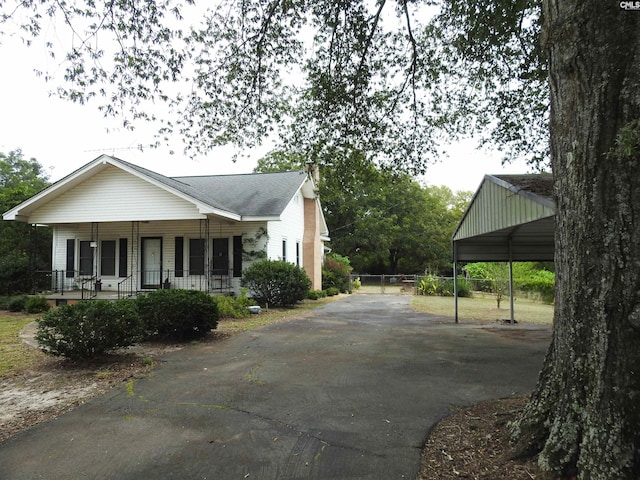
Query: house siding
pixel 114 195
pixel 290 227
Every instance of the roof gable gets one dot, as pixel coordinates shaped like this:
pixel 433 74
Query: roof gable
pixel 499 204
pixel 511 217
pixel 112 195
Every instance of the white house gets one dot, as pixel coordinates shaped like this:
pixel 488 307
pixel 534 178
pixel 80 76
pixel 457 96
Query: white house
pixel 127 229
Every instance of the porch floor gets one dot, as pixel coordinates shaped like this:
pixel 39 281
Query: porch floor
pixel 74 296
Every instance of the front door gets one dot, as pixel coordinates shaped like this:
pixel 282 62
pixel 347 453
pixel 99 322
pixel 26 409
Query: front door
pixel 151 262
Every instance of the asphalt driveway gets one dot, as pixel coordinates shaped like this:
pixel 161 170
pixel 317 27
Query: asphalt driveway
pixel 350 392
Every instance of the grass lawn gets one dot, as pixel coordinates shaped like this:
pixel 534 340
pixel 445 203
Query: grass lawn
pixel 14 354
pixel 483 307
pixel 272 315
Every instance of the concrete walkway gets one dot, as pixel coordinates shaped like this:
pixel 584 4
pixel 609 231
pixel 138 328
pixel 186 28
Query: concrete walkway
pixel 348 393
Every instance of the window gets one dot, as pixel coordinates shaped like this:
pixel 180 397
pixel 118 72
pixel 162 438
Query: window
pixel 284 249
pixel 108 257
pixel 237 256
pixel 86 258
pixel 122 260
pixel 196 256
pixel 298 253
pixel 179 257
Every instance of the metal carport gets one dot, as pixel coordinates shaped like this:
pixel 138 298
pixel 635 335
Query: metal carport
pixel 511 218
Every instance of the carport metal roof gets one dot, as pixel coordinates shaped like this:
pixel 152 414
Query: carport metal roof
pixel 510 218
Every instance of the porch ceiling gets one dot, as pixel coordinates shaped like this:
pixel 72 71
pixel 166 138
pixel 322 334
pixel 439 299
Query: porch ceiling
pixel 530 242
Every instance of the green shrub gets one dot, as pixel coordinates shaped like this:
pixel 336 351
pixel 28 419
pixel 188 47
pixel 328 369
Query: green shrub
pixel 17 304
pixel 14 275
pixel 177 314
pixel 428 285
pixel 234 307
pixel 335 272
pixel 316 294
pixel 432 285
pixel 446 288
pixel 332 291
pixel 464 287
pixel 276 283
pixel 86 329
pixel 36 305
pixel 540 282
pixel 356 283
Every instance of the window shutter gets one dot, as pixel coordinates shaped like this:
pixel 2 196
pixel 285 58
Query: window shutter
pixel 237 256
pixel 179 257
pixel 122 259
pixel 71 257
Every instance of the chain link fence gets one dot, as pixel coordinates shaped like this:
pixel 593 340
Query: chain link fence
pixel 422 285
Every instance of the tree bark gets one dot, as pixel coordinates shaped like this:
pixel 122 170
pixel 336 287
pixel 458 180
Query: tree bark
pixel 583 416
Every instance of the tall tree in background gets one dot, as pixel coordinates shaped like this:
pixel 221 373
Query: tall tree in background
pixel 386 88
pixel 23 248
pixel 385 223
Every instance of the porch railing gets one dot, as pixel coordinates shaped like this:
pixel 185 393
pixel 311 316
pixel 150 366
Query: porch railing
pixel 127 287
pixel 216 281
pixel 89 287
pixel 61 282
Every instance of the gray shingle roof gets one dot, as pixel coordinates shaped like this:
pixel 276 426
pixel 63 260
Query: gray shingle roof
pixel 253 195
pixel 257 194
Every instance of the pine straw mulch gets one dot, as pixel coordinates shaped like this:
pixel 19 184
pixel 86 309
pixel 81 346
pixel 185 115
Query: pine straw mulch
pixel 474 444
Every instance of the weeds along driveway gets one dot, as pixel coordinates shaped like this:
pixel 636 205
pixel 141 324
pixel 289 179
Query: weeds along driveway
pixel 349 392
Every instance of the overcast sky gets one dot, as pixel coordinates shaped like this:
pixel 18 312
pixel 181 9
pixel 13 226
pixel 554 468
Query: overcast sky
pixel 63 136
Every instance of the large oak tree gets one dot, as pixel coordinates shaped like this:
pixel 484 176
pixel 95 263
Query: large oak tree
pixel 584 413
pixel 344 75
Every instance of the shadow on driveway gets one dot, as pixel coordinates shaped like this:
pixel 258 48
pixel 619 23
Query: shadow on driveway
pixel 349 392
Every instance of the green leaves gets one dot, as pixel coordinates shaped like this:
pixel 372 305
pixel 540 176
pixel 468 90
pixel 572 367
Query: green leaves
pixel 493 73
pixel 22 247
pixel 394 80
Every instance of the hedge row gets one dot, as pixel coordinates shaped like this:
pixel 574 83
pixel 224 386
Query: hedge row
pixel 86 329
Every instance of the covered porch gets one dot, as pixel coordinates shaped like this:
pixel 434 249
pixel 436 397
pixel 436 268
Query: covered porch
pixel 125 258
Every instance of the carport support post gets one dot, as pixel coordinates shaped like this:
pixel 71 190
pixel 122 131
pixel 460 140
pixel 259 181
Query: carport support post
pixel 511 282
pixel 455 280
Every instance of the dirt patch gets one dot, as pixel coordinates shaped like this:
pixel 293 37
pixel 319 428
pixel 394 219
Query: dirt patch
pixel 56 385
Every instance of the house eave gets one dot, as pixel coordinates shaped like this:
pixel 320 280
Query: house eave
pixel 206 210
pixel 261 218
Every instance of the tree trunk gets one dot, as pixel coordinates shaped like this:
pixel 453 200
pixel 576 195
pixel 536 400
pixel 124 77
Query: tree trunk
pixel 583 416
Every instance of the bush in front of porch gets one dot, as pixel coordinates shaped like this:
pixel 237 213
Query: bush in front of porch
pixel 90 328
pixel 87 329
pixel 177 314
pixel 276 283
